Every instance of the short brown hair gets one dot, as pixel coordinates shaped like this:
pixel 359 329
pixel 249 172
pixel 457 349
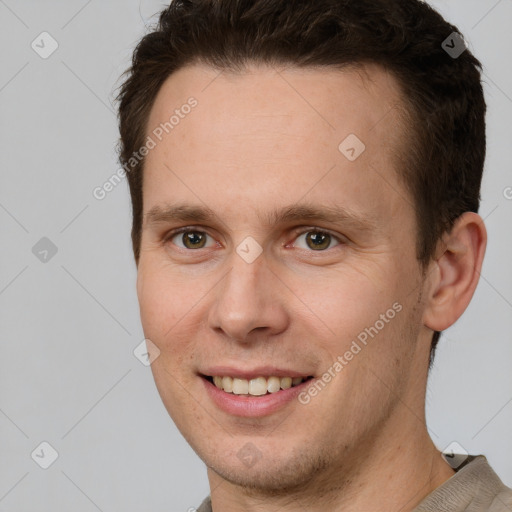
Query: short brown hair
pixel 442 92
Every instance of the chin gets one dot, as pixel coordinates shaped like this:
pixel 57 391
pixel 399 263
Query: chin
pixel 272 475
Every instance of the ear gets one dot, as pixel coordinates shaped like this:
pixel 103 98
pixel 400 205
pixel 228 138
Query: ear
pixel 454 273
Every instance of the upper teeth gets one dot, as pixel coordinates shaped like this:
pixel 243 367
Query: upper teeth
pixel 257 387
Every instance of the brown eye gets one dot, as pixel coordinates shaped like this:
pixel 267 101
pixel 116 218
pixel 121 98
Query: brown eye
pixel 193 240
pixel 317 240
pixel 189 239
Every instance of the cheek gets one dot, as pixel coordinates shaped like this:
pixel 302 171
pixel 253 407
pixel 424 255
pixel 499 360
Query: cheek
pixel 167 316
pixel 344 302
pixel 165 307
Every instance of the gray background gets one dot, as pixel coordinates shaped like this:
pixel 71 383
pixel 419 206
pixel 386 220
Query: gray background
pixel 69 325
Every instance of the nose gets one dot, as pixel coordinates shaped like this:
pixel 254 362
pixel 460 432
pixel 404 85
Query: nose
pixel 249 304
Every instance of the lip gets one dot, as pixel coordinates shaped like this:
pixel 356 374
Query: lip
pixel 254 406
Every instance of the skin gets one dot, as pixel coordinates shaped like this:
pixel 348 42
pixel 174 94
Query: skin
pixel 262 140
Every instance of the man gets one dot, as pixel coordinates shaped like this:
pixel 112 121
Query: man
pixel 305 183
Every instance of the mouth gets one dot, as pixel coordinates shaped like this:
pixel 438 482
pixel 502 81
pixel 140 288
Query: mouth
pixel 256 387
pixel 254 393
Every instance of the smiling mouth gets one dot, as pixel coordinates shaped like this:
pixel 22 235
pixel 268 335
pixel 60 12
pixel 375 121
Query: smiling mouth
pixel 259 386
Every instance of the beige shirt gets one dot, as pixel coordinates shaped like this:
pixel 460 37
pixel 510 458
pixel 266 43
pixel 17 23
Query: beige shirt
pixel 475 487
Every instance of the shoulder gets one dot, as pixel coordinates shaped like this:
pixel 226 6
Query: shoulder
pixel 206 505
pixel 475 486
pixel 502 502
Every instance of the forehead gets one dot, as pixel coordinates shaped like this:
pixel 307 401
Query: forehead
pixel 330 98
pixel 276 135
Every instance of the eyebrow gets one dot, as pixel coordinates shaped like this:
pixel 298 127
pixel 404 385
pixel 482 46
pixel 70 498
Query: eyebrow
pixel 294 213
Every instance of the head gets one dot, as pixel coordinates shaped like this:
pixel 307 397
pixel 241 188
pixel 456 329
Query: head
pixel 279 95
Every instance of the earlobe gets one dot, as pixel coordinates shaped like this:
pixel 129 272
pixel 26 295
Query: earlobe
pixel 456 272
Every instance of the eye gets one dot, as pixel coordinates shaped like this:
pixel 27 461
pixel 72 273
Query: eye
pixel 318 240
pixel 189 238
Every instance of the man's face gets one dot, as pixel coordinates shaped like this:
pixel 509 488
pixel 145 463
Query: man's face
pixel 257 146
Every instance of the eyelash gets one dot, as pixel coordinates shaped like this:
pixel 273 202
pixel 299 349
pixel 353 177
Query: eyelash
pixel 169 236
